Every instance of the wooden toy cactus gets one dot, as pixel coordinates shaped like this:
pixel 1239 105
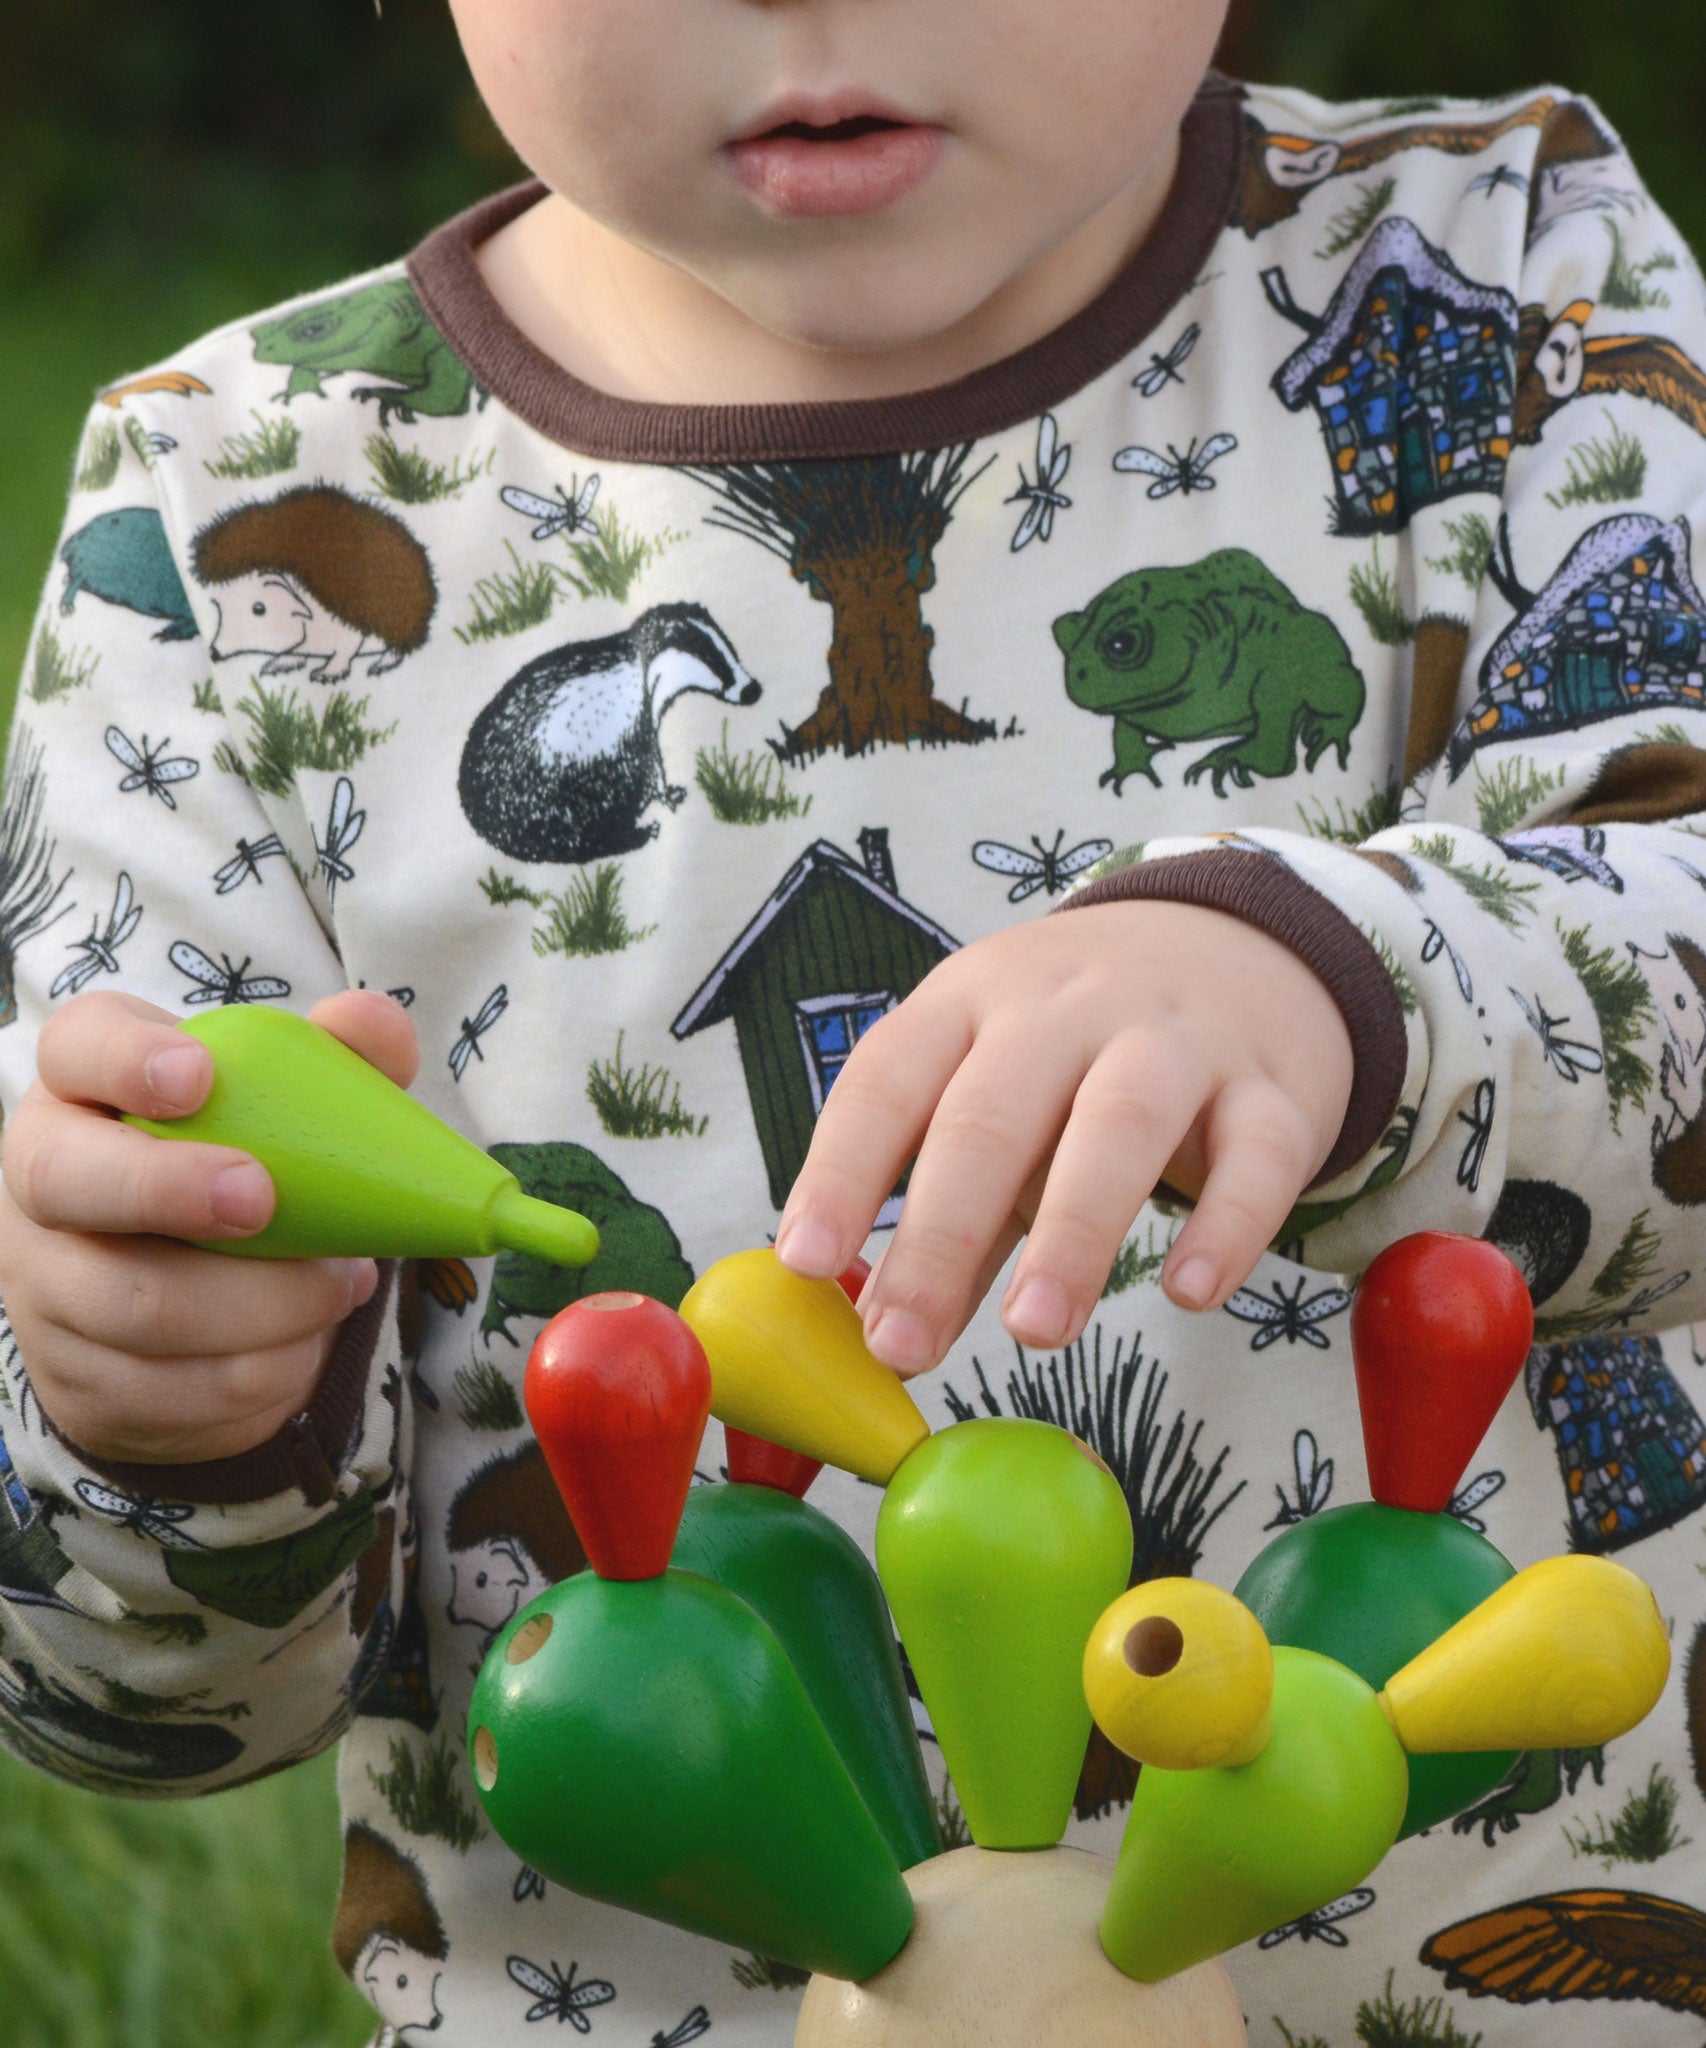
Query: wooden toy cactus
pixel 1232 1834
pixel 359 1166
pixel 1440 1327
pixel 638 1733
pixel 810 1581
pixel 998 1541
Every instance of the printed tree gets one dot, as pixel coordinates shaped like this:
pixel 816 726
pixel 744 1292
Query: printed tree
pixel 861 535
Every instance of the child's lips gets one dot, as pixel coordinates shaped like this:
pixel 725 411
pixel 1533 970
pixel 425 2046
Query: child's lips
pixel 837 174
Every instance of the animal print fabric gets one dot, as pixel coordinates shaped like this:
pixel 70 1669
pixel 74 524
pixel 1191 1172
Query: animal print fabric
pixel 649 787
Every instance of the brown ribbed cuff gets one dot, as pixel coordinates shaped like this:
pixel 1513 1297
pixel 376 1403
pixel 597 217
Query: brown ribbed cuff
pixel 309 1451
pixel 1264 892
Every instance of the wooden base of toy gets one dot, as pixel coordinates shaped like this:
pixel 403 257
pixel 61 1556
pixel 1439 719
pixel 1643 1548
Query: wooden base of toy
pixel 1004 1954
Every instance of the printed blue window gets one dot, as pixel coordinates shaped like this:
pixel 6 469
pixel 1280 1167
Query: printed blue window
pixel 1470 385
pixel 831 1027
pixel 1377 414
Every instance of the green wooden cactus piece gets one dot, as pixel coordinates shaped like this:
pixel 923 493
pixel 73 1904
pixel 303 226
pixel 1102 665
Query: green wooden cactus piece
pixel 647 1742
pixel 1214 1857
pixel 360 1167
pixel 811 1582
pixel 999 1543
pixel 1373 1586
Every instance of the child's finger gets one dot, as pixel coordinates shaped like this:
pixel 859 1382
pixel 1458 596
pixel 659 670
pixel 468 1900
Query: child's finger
pixel 70 1168
pixel 1130 1115
pixel 117 1052
pixel 147 1411
pixel 376 1026
pixel 156 1299
pixel 1261 1153
pixel 997 1117
pixel 869 1127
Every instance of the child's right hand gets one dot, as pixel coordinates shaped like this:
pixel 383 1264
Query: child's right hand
pixel 141 1348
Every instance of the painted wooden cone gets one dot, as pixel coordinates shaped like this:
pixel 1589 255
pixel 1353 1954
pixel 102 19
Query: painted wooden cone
pixel 360 1168
pixel 999 1542
pixel 1004 1954
pixel 755 1460
pixel 1570 1653
pixel 644 1739
pixel 788 1362
pixel 1440 1327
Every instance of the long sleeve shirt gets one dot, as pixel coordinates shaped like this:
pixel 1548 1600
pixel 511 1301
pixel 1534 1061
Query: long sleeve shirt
pixel 1334 567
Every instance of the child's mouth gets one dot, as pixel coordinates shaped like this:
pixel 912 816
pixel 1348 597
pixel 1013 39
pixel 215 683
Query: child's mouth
pixel 861 163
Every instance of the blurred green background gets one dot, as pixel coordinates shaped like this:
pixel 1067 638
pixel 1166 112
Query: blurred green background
pixel 165 169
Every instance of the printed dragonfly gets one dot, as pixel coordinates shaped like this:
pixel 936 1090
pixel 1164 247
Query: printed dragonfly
pixel 223 984
pixel 156 1520
pixel 1287 1315
pixel 697 2022
pixel 1164 370
pixel 1048 868
pixel 147 770
pixel 1173 471
pixel 473 1030
pixel 1042 494
pixel 1314 1483
pixel 246 861
pixel 1322 1924
pixel 343 829
pixel 559 1997
pixel 100 948
pixel 566 513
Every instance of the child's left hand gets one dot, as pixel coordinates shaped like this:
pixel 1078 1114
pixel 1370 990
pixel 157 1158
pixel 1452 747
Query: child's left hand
pixel 1048 1077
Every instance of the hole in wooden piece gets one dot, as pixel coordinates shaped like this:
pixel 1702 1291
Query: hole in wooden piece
pixel 1154 1646
pixel 485 1759
pixel 529 1639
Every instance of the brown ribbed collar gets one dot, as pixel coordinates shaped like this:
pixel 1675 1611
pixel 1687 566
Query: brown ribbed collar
pixel 1018 387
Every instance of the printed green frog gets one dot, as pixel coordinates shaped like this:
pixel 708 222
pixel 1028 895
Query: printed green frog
pixel 1215 649
pixel 380 328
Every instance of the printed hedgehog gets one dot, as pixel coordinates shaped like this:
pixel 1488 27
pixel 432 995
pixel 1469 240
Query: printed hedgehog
pixel 318 579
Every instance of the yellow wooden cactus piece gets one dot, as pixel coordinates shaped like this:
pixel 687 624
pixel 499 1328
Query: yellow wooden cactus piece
pixel 788 1362
pixel 1180 1674
pixel 1569 1653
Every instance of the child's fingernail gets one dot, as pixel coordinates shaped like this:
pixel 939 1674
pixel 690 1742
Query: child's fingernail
pixel 240 1196
pixel 174 1071
pixel 1040 1312
pixel 1194 1283
pixel 809 1247
pixel 901 1340
pixel 363 1278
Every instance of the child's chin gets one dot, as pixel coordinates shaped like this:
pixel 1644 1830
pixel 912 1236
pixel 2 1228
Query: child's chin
pixel 896 309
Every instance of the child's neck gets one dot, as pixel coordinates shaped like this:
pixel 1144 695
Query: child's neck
pixel 630 324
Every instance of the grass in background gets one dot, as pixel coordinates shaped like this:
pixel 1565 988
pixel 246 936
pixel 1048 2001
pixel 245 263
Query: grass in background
pixel 174 1923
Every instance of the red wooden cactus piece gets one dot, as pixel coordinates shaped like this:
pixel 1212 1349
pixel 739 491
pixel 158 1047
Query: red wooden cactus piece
pixel 1440 1327
pixel 617 1389
pixel 756 1461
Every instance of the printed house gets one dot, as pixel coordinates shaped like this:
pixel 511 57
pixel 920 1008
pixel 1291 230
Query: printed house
pixel 1619 627
pixel 1412 370
pixel 1630 1445
pixel 829 951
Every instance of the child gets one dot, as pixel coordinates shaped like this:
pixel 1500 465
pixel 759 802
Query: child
pixel 718 598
